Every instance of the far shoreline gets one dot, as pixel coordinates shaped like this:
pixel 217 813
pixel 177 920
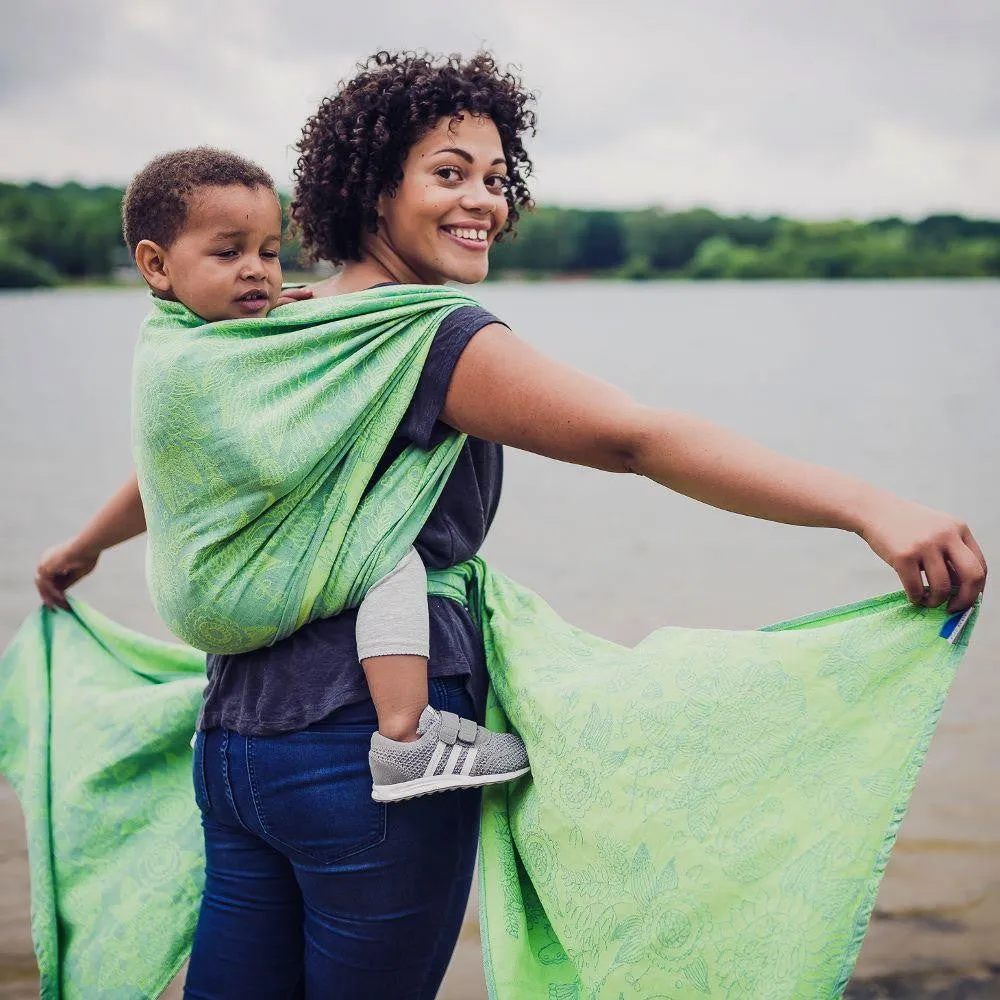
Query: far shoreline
pixel 115 284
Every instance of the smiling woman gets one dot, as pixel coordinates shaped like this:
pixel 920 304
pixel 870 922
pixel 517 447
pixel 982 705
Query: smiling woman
pixel 407 176
pixel 385 410
pixel 444 137
pixel 439 222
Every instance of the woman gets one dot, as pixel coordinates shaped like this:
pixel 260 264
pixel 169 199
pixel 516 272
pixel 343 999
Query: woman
pixel 408 175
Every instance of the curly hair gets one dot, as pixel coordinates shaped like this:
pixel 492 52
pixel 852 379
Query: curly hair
pixel 157 198
pixel 352 150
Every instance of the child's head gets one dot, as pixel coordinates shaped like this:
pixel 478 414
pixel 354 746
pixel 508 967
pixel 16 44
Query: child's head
pixel 204 226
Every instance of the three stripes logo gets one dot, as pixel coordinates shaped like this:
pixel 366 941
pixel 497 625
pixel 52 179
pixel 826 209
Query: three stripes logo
pixel 459 761
pixel 460 736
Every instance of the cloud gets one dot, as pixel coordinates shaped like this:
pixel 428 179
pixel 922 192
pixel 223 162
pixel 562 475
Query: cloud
pixel 34 57
pixel 825 108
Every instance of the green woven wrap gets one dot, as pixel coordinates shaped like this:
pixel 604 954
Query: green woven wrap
pixel 708 814
pixel 254 442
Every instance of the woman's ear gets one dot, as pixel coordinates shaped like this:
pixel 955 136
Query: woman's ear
pixel 151 259
pixel 381 206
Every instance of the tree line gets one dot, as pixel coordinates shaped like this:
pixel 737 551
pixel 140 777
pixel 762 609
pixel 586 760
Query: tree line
pixel 49 235
pixel 700 243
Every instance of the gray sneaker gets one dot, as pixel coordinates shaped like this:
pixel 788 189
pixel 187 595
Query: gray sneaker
pixel 451 753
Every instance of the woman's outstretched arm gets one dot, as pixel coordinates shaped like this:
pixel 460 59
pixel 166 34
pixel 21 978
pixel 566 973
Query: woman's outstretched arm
pixel 505 391
pixel 122 517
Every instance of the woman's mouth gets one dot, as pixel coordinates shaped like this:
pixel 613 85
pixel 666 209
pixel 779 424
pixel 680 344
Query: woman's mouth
pixel 253 302
pixel 468 237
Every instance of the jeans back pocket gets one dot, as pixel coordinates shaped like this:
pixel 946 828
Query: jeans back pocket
pixel 312 792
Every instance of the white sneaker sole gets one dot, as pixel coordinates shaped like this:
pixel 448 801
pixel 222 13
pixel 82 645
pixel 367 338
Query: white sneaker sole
pixel 439 783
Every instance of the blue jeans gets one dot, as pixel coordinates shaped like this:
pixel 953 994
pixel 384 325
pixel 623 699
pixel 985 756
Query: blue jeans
pixel 312 890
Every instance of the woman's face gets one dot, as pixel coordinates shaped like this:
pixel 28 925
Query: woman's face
pixel 449 207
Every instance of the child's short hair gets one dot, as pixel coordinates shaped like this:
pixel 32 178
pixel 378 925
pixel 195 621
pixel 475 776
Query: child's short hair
pixel 156 200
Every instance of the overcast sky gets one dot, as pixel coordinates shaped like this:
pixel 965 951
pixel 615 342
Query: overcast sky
pixel 819 108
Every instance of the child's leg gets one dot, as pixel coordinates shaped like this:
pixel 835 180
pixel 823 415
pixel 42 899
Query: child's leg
pixel 418 749
pixel 393 636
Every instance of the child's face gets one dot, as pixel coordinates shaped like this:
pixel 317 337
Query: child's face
pixel 224 264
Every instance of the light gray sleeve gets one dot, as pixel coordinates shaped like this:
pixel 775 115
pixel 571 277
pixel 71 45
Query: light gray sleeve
pixel 392 618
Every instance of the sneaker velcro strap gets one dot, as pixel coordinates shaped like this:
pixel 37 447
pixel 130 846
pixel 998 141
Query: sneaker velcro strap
pixel 450 727
pixel 467 731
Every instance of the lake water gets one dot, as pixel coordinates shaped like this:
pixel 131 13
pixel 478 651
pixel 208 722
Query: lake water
pixel 898 383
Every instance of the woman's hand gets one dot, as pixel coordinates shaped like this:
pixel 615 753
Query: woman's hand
pixel 912 538
pixel 293 295
pixel 59 568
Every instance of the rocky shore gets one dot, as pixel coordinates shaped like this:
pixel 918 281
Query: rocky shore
pixel 980 984
pixel 464 981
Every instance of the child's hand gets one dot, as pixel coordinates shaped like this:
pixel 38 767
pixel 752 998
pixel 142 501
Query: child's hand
pixel 58 569
pixel 293 295
pixel 914 539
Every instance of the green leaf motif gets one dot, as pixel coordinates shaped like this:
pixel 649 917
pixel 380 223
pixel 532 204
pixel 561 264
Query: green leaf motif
pixel 643 877
pixel 697 975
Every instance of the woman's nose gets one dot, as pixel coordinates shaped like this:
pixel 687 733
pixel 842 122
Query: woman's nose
pixel 477 198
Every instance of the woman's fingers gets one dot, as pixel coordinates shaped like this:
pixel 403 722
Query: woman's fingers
pixel 916 540
pixel 938 579
pixel 908 571
pixel 969 572
pixel 970 541
pixel 955 572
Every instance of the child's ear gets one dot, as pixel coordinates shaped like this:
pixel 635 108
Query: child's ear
pixel 151 259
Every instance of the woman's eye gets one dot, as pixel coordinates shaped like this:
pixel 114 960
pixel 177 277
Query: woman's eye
pixel 452 173
pixel 498 182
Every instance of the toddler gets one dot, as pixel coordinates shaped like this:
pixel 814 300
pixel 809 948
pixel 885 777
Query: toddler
pixel 205 229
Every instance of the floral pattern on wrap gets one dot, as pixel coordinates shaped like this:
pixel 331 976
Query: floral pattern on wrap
pixel 709 814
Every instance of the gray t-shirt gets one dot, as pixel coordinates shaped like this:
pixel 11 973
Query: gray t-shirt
pixel 287 686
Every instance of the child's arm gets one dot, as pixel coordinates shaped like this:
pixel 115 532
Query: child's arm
pixel 121 518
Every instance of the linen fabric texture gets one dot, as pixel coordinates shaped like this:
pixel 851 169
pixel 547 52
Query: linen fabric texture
pixel 708 814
